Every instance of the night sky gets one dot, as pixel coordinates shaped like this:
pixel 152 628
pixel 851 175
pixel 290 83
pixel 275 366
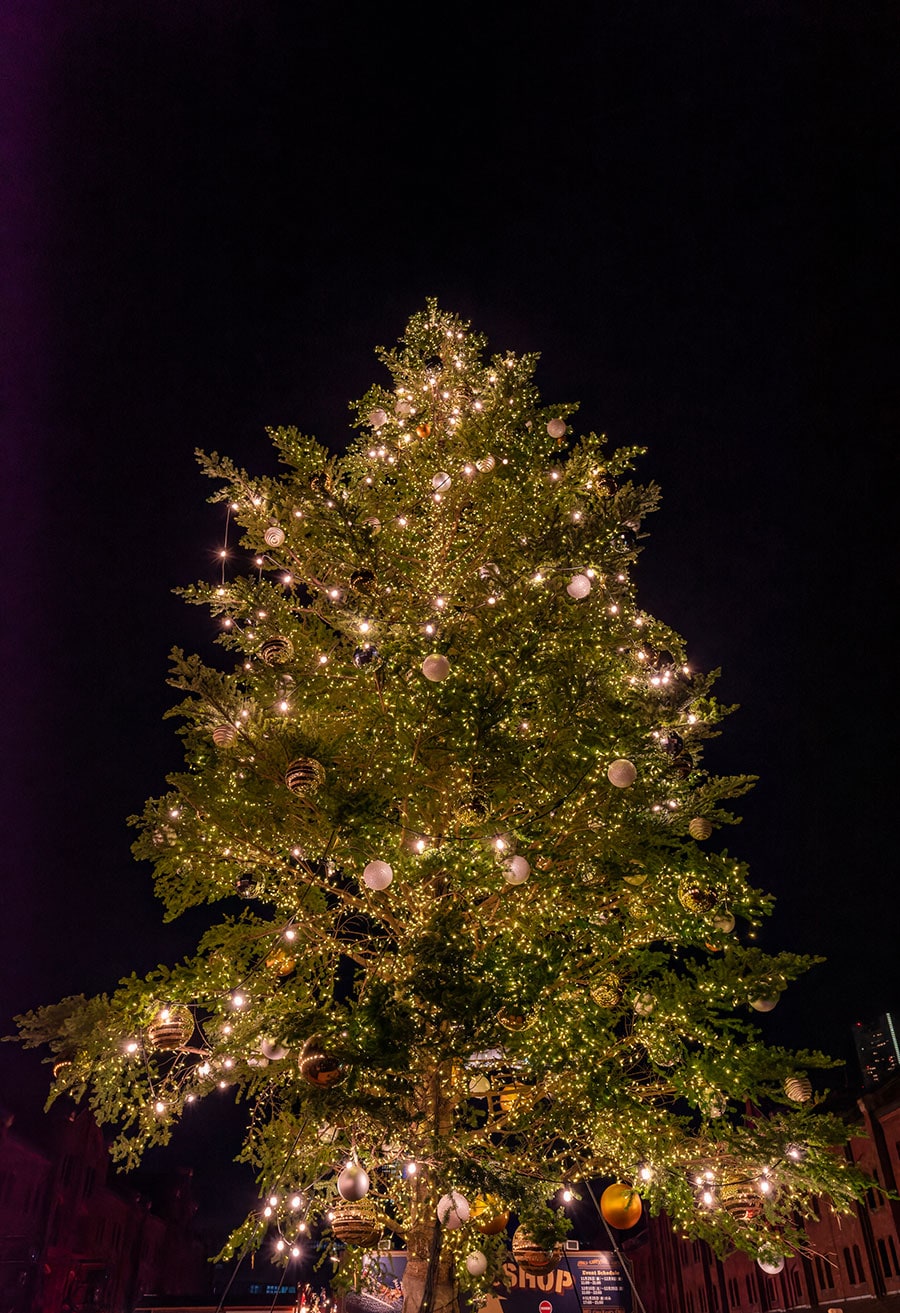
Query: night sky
pixel 213 212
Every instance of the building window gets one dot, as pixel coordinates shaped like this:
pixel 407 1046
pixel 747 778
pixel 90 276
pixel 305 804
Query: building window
pixel 795 1282
pixel 824 1274
pixel 883 1255
pixel 861 1276
pixel 890 1241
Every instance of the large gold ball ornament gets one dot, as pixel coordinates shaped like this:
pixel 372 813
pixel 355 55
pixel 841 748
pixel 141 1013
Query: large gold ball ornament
pixel 276 650
pixel 353 1182
pixel 509 1096
pixel 512 1019
pixel 489 1215
pixel 485 464
pixel 224 736
pixel 281 962
pixel 557 428
pixel 318 1068
pixel 694 897
pixel 355 1222
pixel 605 990
pixel 423 430
pixel 436 667
pixel 532 1256
pixel 740 1199
pixel 621 1206
pixel 764 1004
pixel 700 827
pixel 304 776
pixel 171 1027
pixel 798 1089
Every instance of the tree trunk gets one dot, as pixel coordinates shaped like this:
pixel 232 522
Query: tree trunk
pixel 429 1285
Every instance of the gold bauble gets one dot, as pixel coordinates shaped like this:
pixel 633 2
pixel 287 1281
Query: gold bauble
pixel 224 735
pixel 355 1222
pixel 700 828
pixel 621 1206
pixel 605 990
pixel 275 651
pixel 319 1068
pixel 798 1089
pixel 171 1027
pixel 740 1199
pixel 513 1019
pixel 694 897
pixel 423 430
pixel 532 1256
pixel 489 1215
pixel 281 962
pixel 304 775
pixel 510 1095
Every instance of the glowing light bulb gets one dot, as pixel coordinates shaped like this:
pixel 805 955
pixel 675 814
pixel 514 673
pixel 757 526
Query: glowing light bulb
pixel 290 934
pixel 283 706
pixel 273 1201
pixel 411 1168
pixel 323 659
pixel 267 1211
pixel 295 1252
pixel 567 1196
pixel 159 1106
pixel 296 1201
pixel 279 1245
pixel 131 1046
pixel 420 845
pixel 646 1173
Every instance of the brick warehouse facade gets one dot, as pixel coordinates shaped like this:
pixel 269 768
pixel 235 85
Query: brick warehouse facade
pixel 854 1260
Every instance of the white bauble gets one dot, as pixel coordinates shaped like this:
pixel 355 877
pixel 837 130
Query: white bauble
pixel 441 481
pixel 403 408
pixel 772 1266
pixel 373 524
pixel 453 1210
pixel 377 875
pixel 517 870
pixel 377 417
pixel 435 667
pixel 479 1084
pixel 274 535
pixel 644 1004
pixel 724 922
pixel 476 1263
pixel 485 464
pixel 272 1050
pixel 622 773
pixel 763 1004
pixel 353 1182
pixel 578 586
pixel 557 428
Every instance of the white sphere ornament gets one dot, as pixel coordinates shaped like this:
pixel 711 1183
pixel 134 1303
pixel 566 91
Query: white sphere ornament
pixel 403 408
pixel 373 524
pixel 724 922
pixel 622 773
pixel 271 1049
pixel 353 1182
pixel 763 1004
pixel 476 1263
pixel 517 870
pixel 479 1084
pixel 771 1266
pixel 274 535
pixel 441 481
pixel 557 428
pixel 435 667
pixel 453 1210
pixel 644 1004
pixel 578 586
pixel 377 875
pixel 377 417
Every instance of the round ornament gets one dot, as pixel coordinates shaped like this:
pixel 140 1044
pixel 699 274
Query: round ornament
pixel 724 922
pixel 304 775
pixel 434 364
pixel 621 1206
pixel 695 897
pixel 700 827
pixel 319 1068
pixel 798 1089
pixel 355 1222
pixel 435 667
pixel 363 581
pixel 513 1020
pixel 622 773
pixel 171 1027
pixel 224 735
pixel 682 766
pixel 274 535
pixel 644 1004
pixel 489 1215
pixel 671 743
pixel 764 1004
pixel 353 1182
pixel 740 1199
pixel 245 885
pixel 377 417
pixel 441 481
pixel 485 464
pixel 517 870
pixel 771 1266
pixel 281 962
pixel 532 1256
pixel 423 430
pixel 403 408
pixel 275 651
pixel 377 875
pixel 476 1263
pixel 272 1050
pixel 373 524
pixel 453 1210
pixel 367 655
pixel 605 990
pixel 557 428
pixel 479 1085
pixel 578 586
pixel 509 1096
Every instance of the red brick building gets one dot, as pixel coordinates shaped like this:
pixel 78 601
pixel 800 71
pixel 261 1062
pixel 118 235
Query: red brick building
pixel 73 1238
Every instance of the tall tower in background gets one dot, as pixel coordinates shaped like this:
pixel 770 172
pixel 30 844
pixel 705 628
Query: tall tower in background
pixel 877 1050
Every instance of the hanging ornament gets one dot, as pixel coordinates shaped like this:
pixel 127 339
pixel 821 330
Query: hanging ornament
pixel 377 417
pixel 798 1089
pixel 274 535
pixel 517 870
pixel 740 1199
pixel 682 766
pixel 509 1096
pixel 621 1206
pixel 319 1068
pixel 363 581
pixel 771 1266
pixel 724 922
pixel 355 1222
pixel 276 650
pixel 272 1050
pixel 532 1256
pixel 246 885
pixel 224 735
pixel 373 524
pixel 489 1215
pixel 578 586
pixel 435 667
pixel 476 1263
pixel 764 1004
pixel 367 655
pixel 485 464
pixel 605 990
pixel 453 1210
pixel 557 428
pixel 479 1085
pixel 403 408
pixel 423 430
pixel 700 827
pixel 377 875
pixel 694 896
pixel 643 1004
pixel 171 1027
pixel 622 773
pixel 281 962
pixel 441 481
pixel 353 1182
pixel 671 743
pixel 514 1020
pixel 304 775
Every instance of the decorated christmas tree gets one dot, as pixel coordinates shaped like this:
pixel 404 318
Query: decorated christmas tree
pixel 482 947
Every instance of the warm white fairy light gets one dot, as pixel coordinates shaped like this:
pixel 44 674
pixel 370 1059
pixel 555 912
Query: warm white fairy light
pixel 296 1201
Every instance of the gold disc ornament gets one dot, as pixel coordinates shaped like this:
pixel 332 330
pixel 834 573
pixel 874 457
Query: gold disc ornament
pixel 304 776
pixel 532 1256
pixel 605 990
pixel 621 1206
pixel 355 1222
pixel 318 1068
pixel 171 1027
pixel 694 897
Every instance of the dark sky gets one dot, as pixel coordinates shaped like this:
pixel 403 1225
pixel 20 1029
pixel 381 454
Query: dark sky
pixel 214 211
